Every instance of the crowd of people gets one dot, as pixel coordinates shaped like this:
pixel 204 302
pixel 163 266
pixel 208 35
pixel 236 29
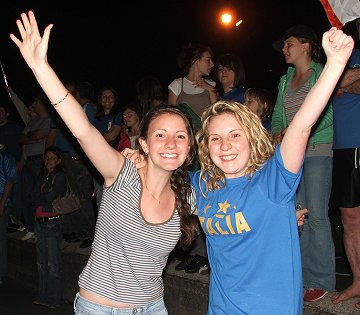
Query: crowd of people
pixel 212 173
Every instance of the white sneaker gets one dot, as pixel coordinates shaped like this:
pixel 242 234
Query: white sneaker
pixel 204 270
pixel 27 236
pixel 21 228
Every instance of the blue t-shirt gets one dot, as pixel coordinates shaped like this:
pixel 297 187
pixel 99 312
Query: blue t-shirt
pixel 236 94
pixel 90 111
pixel 65 140
pixel 105 123
pixel 252 242
pixel 10 133
pixel 346 109
pixel 8 171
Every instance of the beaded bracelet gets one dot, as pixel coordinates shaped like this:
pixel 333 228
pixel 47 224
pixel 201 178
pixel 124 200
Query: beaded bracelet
pixel 54 104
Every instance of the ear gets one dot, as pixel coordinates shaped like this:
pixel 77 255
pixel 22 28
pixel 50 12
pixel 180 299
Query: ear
pixel 306 47
pixel 143 145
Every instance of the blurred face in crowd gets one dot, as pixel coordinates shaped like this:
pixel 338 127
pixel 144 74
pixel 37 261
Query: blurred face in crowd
pixel 38 106
pixel 107 100
pixel 51 160
pixel 252 104
pixel 205 64
pixel 226 76
pixel 293 49
pixel 131 119
pixel 32 112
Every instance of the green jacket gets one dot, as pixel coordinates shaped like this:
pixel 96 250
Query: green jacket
pixel 322 131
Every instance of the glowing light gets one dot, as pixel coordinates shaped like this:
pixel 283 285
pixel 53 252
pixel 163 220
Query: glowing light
pixel 226 18
pixel 238 23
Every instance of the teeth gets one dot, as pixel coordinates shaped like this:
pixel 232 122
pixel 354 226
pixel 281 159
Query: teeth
pixel 169 155
pixel 228 157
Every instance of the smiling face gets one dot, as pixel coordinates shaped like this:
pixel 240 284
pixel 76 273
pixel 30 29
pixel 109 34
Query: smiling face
pixel 107 100
pixel 167 143
pixel 228 145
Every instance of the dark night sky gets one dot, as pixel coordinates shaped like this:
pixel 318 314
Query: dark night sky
pixel 118 42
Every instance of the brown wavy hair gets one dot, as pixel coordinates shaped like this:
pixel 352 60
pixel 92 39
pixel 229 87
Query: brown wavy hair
pixel 261 144
pixel 179 180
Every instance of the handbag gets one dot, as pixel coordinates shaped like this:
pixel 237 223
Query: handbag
pixel 66 204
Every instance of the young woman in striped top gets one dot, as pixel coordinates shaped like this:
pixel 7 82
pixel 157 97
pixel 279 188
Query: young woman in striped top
pixel 143 213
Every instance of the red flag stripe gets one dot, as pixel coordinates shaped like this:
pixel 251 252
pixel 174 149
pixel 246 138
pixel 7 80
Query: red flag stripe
pixel 333 19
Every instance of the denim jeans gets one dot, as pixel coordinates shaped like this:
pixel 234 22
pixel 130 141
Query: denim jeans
pixel 3 242
pixel 86 307
pixel 17 204
pixel 49 261
pixel 317 246
pixel 29 176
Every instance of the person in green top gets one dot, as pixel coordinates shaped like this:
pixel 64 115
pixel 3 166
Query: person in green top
pixel 301 49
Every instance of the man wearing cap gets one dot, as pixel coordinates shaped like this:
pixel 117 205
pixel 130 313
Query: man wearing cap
pixel 345 192
pixel 302 50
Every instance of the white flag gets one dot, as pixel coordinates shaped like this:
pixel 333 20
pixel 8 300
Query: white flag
pixel 340 12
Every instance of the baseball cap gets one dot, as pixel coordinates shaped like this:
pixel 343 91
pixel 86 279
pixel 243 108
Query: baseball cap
pixel 298 31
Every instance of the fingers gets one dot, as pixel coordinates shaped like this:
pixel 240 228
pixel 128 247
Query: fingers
pixel 21 29
pixel 24 28
pixel 15 40
pixel 338 39
pixel 33 23
pixel 302 212
pixel 46 35
pixel 128 152
pixel 26 23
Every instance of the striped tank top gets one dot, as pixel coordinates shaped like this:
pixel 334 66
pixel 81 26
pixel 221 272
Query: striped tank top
pixel 128 254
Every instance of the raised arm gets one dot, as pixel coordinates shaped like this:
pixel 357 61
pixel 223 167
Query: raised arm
pixel 338 48
pixel 34 48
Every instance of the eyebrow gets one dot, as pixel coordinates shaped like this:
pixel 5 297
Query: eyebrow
pixel 237 129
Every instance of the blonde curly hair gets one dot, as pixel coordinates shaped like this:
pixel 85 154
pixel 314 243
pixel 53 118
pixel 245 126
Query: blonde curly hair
pixel 261 144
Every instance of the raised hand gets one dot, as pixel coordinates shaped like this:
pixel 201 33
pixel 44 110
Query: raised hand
pixel 33 47
pixel 337 45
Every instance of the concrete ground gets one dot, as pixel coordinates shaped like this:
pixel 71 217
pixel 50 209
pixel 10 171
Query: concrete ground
pixel 185 294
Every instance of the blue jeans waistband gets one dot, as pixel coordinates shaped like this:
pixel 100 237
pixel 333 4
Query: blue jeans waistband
pixel 84 306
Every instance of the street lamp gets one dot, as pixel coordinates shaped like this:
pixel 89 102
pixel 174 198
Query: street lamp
pixel 227 17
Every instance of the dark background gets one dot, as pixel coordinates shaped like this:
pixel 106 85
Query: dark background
pixel 117 42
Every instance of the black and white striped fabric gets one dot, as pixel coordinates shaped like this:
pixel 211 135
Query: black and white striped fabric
pixel 128 254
